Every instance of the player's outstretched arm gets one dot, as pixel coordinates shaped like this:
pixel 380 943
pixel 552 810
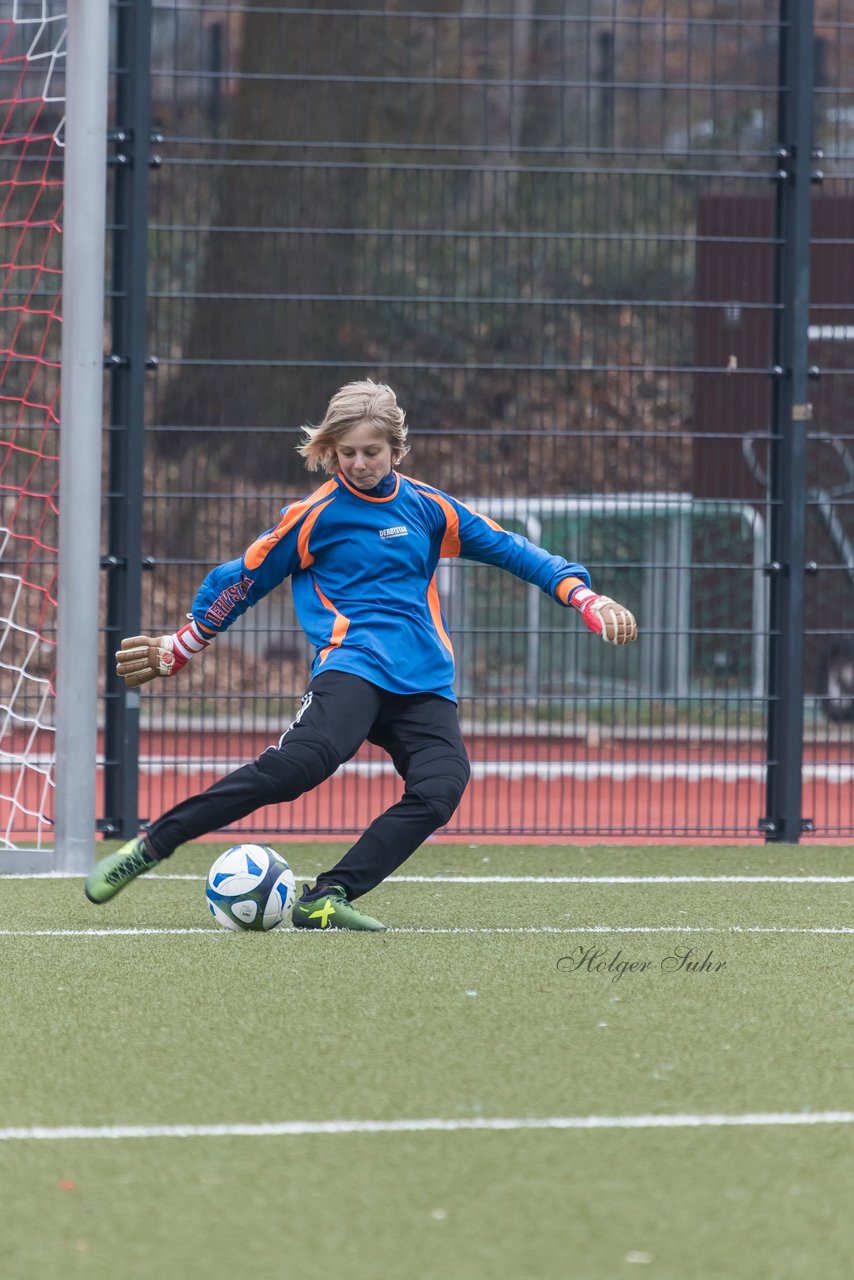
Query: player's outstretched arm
pixel 602 615
pixel 144 658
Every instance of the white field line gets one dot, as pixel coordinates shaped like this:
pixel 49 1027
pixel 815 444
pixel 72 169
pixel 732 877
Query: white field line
pixel 615 880
pixel 300 1128
pixel 655 879
pixel 540 770
pixel 543 770
pixel 213 932
pixel 547 770
pixel 532 879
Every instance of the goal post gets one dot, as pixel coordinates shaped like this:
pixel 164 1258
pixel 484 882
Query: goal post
pixel 81 422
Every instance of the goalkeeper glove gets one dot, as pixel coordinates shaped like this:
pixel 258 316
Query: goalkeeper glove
pixel 144 658
pixel 612 621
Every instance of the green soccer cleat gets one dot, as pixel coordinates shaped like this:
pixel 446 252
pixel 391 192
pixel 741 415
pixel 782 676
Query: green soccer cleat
pixel 118 869
pixel 331 910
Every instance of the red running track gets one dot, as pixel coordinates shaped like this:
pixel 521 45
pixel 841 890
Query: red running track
pixel 539 788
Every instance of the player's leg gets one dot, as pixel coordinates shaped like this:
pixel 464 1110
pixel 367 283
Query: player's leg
pixel 335 717
pixel 422 735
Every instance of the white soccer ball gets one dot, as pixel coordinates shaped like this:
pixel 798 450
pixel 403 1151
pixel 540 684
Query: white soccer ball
pixel 250 886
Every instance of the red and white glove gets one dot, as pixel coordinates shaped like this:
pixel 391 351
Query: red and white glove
pixel 612 621
pixel 144 658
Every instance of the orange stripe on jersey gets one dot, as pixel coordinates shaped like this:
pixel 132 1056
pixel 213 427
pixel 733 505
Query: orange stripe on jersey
pixel 339 627
pixel 261 548
pixel 451 541
pixel 305 556
pixel 493 524
pixel 436 615
pixel 564 587
pixel 450 547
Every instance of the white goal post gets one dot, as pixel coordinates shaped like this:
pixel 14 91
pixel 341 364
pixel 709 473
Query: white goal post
pixel 87 65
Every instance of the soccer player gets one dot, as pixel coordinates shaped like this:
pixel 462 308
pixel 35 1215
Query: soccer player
pixel 361 552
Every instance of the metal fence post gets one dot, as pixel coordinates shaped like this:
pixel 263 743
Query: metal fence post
pixel 791 414
pixel 123 562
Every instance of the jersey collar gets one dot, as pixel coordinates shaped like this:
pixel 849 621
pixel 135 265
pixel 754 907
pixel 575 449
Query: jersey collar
pixel 366 497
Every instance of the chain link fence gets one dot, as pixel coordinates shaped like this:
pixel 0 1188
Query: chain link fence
pixel 551 228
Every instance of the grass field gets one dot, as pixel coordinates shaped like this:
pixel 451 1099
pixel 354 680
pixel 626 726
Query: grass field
pixel 484 1091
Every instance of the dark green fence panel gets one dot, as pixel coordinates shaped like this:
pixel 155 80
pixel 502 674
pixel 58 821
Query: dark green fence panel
pixel 551 229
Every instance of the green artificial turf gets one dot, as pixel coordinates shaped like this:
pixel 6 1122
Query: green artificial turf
pixel 470 1022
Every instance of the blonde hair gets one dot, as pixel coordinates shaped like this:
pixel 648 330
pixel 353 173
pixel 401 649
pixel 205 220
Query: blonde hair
pixel 353 404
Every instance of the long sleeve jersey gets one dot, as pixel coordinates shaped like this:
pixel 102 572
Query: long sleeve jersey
pixel 363 570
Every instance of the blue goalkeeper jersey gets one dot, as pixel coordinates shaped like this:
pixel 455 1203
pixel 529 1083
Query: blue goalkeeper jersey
pixel 362 570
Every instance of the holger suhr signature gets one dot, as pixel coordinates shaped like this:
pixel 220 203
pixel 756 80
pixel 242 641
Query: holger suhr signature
pixel 679 959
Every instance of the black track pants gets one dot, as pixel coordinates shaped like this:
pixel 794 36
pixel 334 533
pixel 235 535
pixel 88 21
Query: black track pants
pixel 339 712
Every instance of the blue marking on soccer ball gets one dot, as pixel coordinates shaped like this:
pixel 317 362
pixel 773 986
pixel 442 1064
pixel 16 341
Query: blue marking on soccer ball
pixel 250 887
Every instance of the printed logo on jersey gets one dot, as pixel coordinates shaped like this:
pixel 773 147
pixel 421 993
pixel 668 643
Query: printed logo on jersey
pixel 227 599
pixel 396 531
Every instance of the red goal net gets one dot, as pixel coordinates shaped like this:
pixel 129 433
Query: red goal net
pixel 32 44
